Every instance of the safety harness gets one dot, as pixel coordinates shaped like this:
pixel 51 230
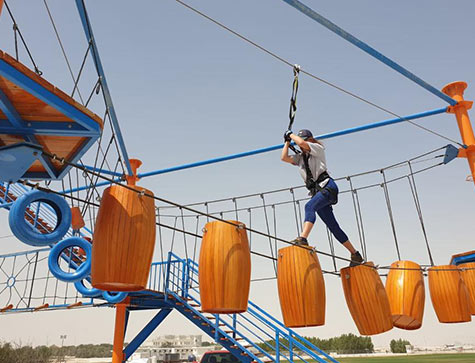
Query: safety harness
pixel 314 185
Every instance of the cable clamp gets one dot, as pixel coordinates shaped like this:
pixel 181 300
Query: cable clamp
pixel 296 69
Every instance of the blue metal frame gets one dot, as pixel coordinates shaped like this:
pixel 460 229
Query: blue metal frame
pixel 84 126
pixel 330 135
pixel 102 78
pixel 248 327
pixel 145 332
pixel 368 49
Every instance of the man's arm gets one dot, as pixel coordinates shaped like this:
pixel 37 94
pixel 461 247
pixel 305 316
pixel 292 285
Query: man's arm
pixel 285 157
pixel 301 143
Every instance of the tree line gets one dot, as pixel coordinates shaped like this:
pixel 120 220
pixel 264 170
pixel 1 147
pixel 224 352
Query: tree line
pixel 13 353
pixel 344 344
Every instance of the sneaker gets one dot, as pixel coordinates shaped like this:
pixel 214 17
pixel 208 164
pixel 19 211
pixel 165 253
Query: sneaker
pixel 356 259
pixel 300 241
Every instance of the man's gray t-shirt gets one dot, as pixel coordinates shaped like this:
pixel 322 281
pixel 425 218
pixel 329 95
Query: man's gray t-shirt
pixel 316 162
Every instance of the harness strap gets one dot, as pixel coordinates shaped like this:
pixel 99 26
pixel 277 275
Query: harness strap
pixel 314 185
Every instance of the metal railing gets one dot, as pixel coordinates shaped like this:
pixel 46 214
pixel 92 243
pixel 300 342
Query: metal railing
pixel 255 331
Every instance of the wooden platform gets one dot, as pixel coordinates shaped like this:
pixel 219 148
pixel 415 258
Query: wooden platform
pixel 33 110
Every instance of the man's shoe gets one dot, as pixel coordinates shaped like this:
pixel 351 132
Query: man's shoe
pixel 300 241
pixel 356 259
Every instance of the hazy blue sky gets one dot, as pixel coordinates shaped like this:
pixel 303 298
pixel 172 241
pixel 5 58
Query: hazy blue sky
pixel 185 90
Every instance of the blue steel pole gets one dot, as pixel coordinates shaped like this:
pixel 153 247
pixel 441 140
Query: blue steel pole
pixel 368 49
pixel 279 146
pixel 330 135
pixel 102 78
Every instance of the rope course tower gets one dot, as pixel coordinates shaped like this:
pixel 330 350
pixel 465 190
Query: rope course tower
pixel 94 229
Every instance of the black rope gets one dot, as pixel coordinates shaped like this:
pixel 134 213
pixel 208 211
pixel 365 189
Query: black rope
pixel 236 208
pixel 143 193
pixel 16 30
pixel 250 226
pixel 76 80
pixel 295 212
pixel 392 166
pixel 275 228
pixel 357 217
pixel 184 234
pixel 390 212
pixel 293 103
pixel 314 76
pixel 63 51
pixel 332 248
pixel 365 252
pixel 268 232
pixel 412 183
pixel 160 238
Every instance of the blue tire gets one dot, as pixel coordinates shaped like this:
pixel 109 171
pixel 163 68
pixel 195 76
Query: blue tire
pixel 114 297
pixel 82 271
pixel 25 232
pixel 84 291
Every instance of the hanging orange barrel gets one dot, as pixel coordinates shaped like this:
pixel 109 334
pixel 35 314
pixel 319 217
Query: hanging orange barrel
pixel 468 275
pixel 406 294
pixel 124 239
pixel 366 299
pixel 449 294
pixel 301 287
pixel 224 268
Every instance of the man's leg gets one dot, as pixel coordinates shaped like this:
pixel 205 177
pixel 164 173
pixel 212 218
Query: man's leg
pixel 327 216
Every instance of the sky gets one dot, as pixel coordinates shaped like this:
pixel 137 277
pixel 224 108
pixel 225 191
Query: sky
pixel 186 90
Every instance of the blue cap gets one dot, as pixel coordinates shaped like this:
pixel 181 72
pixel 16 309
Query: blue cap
pixel 305 134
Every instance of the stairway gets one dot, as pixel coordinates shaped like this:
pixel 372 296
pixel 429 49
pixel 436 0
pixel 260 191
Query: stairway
pixel 253 336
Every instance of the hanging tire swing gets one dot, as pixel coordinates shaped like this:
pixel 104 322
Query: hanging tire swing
pixel 114 297
pixel 86 291
pixel 21 219
pixel 82 271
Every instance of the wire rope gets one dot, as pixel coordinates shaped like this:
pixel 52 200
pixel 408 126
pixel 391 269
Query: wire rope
pixel 328 83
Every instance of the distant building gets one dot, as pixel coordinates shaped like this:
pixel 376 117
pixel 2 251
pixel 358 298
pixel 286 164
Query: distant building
pixel 170 349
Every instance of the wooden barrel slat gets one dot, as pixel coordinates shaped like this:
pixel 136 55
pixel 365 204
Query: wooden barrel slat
pixel 449 294
pixel 406 294
pixel 124 240
pixel 366 299
pixel 468 275
pixel 224 268
pixel 301 287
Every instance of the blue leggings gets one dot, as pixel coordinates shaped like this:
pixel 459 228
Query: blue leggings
pixel 321 204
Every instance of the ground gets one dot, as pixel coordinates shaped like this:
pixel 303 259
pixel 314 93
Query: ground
pixel 433 358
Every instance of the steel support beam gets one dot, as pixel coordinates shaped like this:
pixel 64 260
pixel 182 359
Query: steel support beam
pixel 145 332
pixel 368 49
pixel 102 79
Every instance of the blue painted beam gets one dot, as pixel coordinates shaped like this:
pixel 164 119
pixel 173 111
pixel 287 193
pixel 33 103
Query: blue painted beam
pixel 10 111
pixel 368 49
pixel 15 119
pixel 46 128
pixel 103 171
pixel 145 332
pixel 277 147
pixel 102 77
